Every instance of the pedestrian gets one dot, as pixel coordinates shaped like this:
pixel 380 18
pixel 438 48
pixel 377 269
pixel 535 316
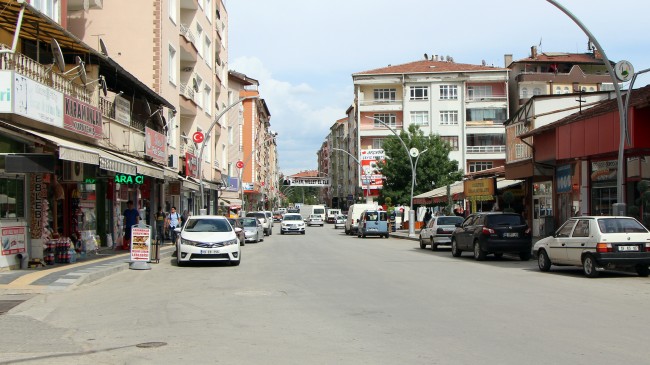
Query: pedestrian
pixel 185 215
pixel 160 226
pixel 427 216
pixel 173 220
pixel 131 218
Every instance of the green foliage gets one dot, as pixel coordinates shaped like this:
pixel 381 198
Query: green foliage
pixel 433 166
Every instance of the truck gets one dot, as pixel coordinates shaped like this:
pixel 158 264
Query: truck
pixel 354 214
pixel 331 215
pixel 307 210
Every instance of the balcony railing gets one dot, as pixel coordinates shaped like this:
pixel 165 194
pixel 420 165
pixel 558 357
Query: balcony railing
pixel 380 127
pixel 380 102
pixel 43 74
pixel 187 33
pixel 486 149
pixel 186 91
pixel 107 107
pixel 493 97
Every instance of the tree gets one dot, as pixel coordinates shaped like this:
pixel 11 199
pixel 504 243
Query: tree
pixel 434 166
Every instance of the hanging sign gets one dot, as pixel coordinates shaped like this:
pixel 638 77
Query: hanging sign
pixel 198 137
pixel 129 179
pixel 140 243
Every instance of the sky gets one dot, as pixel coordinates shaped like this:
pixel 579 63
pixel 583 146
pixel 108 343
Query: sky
pixel 304 52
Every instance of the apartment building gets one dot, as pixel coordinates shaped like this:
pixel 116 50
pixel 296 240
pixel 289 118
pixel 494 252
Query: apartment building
pixel 338 165
pixel 179 49
pixel 466 105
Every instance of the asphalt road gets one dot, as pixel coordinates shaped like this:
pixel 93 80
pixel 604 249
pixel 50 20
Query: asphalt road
pixel 326 298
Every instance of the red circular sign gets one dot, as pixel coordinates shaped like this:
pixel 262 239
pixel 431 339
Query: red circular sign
pixel 198 137
pixel 239 164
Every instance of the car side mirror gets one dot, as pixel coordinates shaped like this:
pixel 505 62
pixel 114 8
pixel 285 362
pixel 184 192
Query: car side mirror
pixel 237 229
pixel 177 230
pixel 458 224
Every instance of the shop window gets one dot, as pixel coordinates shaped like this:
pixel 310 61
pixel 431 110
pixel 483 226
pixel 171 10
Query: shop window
pixel 12 197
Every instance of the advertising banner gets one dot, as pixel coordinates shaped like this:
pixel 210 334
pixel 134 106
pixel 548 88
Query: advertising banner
pixel 82 118
pixel 480 187
pixel 13 240
pixel 191 165
pixel 140 243
pixel 563 177
pixel 370 173
pixel 6 105
pixel 122 110
pixel 155 145
pixel 37 101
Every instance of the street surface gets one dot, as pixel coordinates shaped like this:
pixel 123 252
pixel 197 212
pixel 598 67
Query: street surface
pixel 328 298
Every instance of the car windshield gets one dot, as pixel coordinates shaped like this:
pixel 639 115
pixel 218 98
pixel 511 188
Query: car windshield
pixel 292 217
pixel 207 225
pixel 249 222
pixel 449 221
pixel 504 220
pixel 620 225
pixel 315 216
pixel 319 211
pixel 258 215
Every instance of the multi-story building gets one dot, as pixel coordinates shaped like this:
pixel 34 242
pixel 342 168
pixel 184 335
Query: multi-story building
pixel 338 162
pixel 323 162
pixel 179 49
pixel 466 105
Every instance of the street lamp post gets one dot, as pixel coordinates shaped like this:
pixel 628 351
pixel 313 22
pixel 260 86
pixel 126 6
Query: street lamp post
pixel 200 157
pixel 416 155
pixel 358 163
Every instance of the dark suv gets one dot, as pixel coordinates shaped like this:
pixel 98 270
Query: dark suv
pixel 492 233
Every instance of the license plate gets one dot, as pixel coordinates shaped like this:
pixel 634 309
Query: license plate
pixel 209 252
pixel 372 229
pixel 628 248
pixel 511 234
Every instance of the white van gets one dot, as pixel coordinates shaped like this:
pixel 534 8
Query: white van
pixel 354 214
pixel 307 210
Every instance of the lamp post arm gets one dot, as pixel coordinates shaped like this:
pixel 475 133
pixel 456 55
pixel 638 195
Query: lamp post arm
pixel 358 163
pixel 627 100
pixel 200 157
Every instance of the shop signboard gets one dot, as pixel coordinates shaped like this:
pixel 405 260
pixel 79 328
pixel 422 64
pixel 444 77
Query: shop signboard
pixel 5 92
pixel 82 118
pixel 140 243
pixel 38 195
pixel 122 110
pixel 563 176
pixel 370 174
pixel 13 240
pixel 129 179
pixel 249 187
pixel 155 145
pixel 191 165
pixel 479 188
pixel 37 101
pixel 174 188
pixel 604 170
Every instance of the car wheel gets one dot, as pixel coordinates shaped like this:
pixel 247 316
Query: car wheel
pixel 589 266
pixel 303 232
pixel 643 270
pixel 179 263
pixel 479 254
pixel 423 245
pixel 524 255
pixel 543 262
pixel 281 232
pixel 434 246
pixel 454 249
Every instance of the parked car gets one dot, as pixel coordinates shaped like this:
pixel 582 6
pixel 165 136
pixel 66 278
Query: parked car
pixel 339 222
pixel 207 238
pixel 253 229
pixel 597 243
pixel 277 216
pixel 373 223
pixel 269 217
pixel 292 222
pixel 438 231
pixel 315 220
pixel 492 233
pixel 236 224
pixel 266 223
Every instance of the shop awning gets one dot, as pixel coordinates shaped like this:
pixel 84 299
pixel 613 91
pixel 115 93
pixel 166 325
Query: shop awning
pixel 110 162
pixel 190 183
pixel 170 174
pixel 502 184
pixel 144 168
pixel 69 150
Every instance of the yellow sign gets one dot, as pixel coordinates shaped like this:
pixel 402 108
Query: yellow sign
pixel 480 187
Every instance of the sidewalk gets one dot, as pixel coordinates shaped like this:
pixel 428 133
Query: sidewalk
pixel 60 277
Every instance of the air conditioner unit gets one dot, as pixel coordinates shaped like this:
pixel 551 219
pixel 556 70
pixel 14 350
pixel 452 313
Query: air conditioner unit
pixel 73 171
pixel 173 161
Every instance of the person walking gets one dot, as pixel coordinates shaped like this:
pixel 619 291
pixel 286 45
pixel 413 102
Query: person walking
pixel 427 216
pixel 131 218
pixel 173 220
pixel 160 226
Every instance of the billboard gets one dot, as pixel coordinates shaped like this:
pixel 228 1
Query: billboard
pixel 370 173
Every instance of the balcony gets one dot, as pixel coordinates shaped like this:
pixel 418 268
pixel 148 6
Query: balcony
pixel 187 41
pixel 44 75
pixel 485 98
pixel 371 127
pixel 187 103
pixel 486 149
pixel 380 105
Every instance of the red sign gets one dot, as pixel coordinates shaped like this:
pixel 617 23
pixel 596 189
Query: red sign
pixel 191 165
pixel 240 164
pixel 13 240
pixel 155 145
pixel 82 118
pixel 198 137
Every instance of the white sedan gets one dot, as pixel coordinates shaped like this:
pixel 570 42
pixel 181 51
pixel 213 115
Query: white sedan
pixel 438 231
pixel 597 243
pixel 207 238
pixel 315 220
pixel 292 222
pixel 339 221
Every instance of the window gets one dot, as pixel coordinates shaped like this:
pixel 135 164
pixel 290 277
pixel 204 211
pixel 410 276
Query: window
pixel 207 51
pixel 479 166
pixel 449 92
pixel 12 197
pixel 491 114
pixel 486 140
pixel 520 150
pixel 172 10
pixel 558 90
pixel 449 117
pixel 524 93
pixel 452 141
pixel 384 95
pixel 199 36
pixel 207 103
pixel 479 92
pixel 171 132
pixel 224 155
pixel 566 90
pixel 420 118
pixel 389 119
pixel 51 8
pixel 172 65
pixel 231 135
pixel 537 91
pixel 565 230
pixel 198 98
pixel 419 93
pixel 377 143
pixel 208 10
pixel 582 229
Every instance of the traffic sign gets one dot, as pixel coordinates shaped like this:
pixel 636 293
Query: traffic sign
pixel 198 137
pixel 240 164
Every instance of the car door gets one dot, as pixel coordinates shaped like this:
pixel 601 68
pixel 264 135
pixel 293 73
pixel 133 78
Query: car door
pixel 426 231
pixel 576 244
pixel 557 247
pixel 467 232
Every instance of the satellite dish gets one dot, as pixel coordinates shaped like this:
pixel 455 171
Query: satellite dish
pixel 414 152
pixel 102 84
pixel 82 70
pixel 195 85
pixel 102 46
pixel 57 55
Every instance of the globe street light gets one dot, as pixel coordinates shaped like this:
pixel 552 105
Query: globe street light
pixel 200 158
pixel 412 153
pixel 358 163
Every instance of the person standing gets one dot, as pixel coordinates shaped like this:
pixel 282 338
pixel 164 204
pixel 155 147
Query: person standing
pixel 427 216
pixel 160 226
pixel 131 218
pixel 173 220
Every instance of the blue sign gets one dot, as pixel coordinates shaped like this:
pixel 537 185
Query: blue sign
pixel 563 178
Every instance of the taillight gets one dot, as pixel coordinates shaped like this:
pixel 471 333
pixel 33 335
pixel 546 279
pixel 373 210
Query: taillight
pixel 487 230
pixel 604 247
pixel 647 247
